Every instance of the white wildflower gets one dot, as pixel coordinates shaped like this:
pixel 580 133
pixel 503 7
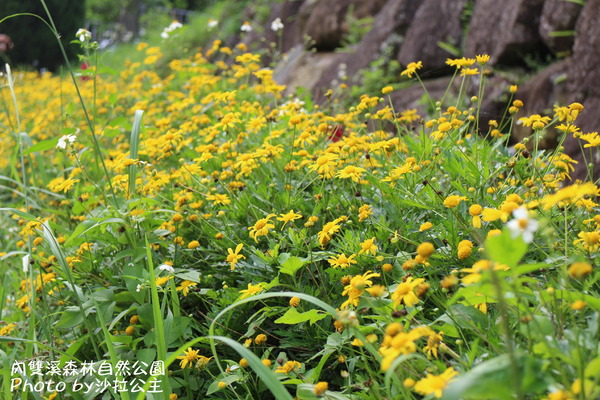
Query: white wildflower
pixel 276 25
pixel 83 35
pixel 212 23
pixel 166 267
pixel 246 27
pixel 522 225
pixel 62 142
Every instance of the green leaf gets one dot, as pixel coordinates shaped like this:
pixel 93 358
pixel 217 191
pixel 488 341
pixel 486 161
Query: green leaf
pixel 497 376
pixel 214 387
pixel 71 317
pixel 291 265
pixel 504 249
pixel 41 146
pixel 292 317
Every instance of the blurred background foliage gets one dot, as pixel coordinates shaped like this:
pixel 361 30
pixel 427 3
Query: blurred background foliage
pixel 111 21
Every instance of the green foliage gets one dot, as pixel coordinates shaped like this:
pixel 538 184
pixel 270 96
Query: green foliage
pixel 34 44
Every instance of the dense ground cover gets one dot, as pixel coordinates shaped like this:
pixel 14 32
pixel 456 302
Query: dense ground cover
pixel 262 246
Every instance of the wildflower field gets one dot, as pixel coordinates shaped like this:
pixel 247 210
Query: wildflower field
pixel 183 230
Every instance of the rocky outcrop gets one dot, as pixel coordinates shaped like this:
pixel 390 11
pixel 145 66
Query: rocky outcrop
pixel 539 94
pixel 326 21
pixel 506 30
pixel 436 21
pixel 556 24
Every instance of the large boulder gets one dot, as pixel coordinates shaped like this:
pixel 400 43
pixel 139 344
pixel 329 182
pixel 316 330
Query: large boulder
pixel 558 19
pixel 291 34
pixel 435 21
pixel 582 82
pixel 539 94
pixel 326 21
pixel 506 30
pixel 584 74
pixel 390 24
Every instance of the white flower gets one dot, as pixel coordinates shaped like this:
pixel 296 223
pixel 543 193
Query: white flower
pixel 246 27
pixel 522 225
pixel 166 267
pixel 212 23
pixel 83 35
pixel 138 288
pixel 62 142
pixel 174 25
pixel 276 24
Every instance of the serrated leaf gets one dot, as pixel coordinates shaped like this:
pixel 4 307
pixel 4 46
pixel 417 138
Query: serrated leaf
pixel 292 317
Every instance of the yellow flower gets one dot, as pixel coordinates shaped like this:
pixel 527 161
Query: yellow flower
pixel 405 292
pixel 578 305
pixel 364 212
pixel 162 280
pixel 368 247
pixel 464 249
pixel 290 216
pixel 453 200
pixel 570 194
pixel 425 249
pixel 435 384
pixel 185 286
pixel 218 199
pixel 326 233
pixel 189 358
pixel 425 226
pixel 233 257
pixel 579 270
pixel 352 172
pixel 252 290
pixel 193 244
pixel 387 89
pixel 411 69
pixel 342 261
pixel 460 62
pixel 475 211
pixel 295 301
pixel 288 367
pixel 469 71
pixel 261 227
pixel 63 185
pixel 260 339
pixel 320 388
pixel 482 59
pixel 589 241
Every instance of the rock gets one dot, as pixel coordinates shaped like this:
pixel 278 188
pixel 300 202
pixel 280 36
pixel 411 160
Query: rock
pixel 394 18
pixel 326 21
pixel 539 94
pixel 584 74
pixel 558 16
pixel 435 21
pixel 414 97
pixel 305 68
pixel 291 34
pixel 391 22
pixel 506 30
pixel 582 82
